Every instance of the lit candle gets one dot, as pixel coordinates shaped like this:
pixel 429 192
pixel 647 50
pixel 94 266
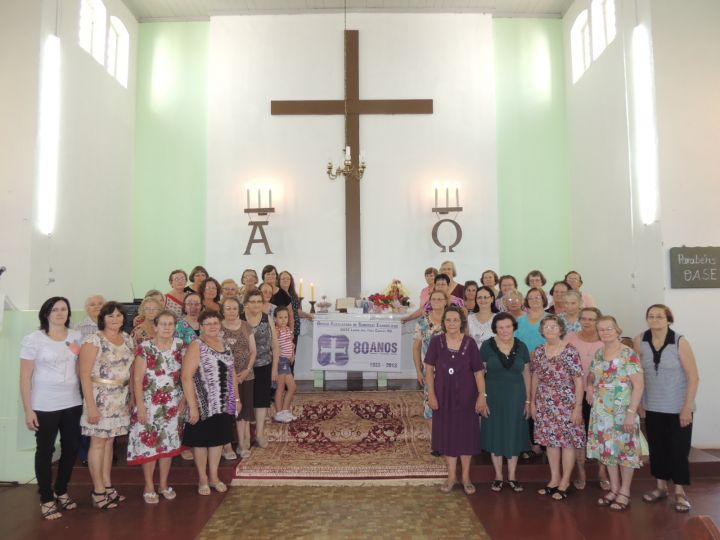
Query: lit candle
pixel 259 205
pixel 270 194
pixel 457 196
pixel 436 198
pixel 347 152
pixel 312 291
pixel 248 199
pixel 447 197
pixel 300 293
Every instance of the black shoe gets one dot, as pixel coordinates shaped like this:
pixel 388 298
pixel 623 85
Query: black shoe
pixel 435 453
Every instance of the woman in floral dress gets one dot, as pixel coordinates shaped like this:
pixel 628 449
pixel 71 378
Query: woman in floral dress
pixel 155 428
pixel 428 326
pixel 105 361
pixel 614 433
pixel 556 404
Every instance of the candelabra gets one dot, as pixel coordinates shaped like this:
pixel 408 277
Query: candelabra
pixel 347 170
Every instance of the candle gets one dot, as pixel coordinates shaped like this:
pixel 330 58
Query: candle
pixel 457 196
pixel 312 291
pixel 362 157
pixel 270 194
pixel 436 198
pixel 347 152
pixel 259 205
pixel 300 293
pixel 447 197
pixel 248 199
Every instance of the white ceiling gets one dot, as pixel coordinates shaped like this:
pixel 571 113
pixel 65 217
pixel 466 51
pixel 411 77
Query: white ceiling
pixel 166 10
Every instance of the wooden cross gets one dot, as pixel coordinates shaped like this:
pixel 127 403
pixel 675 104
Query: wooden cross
pixel 352 107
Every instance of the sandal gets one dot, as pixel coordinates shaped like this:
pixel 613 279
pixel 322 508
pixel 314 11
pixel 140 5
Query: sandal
pixel 469 488
pixel 497 485
pixel 560 494
pixel 204 489
pixel 682 504
pixel 617 506
pixel 104 502
pixel 220 487
pixel 447 486
pixel 229 455
pixel 151 497
pixel 49 511
pixel 244 454
pixel 655 495
pixel 187 455
pixel 64 502
pixel 114 495
pixel 515 486
pixel 579 484
pixel 168 493
pixel 605 485
pixel 605 500
pixel 547 490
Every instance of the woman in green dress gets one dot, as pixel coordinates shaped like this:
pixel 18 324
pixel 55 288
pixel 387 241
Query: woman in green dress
pixel 505 431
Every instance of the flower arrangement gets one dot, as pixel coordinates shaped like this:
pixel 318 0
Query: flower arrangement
pixel 394 297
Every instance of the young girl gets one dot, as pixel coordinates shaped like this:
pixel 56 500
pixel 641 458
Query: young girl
pixel 285 377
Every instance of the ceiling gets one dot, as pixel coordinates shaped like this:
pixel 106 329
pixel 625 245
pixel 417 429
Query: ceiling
pixel 184 10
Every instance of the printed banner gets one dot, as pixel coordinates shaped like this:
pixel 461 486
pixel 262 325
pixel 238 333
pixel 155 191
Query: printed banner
pixel 345 344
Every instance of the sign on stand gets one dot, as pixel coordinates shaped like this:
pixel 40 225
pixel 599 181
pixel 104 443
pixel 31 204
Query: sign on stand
pixel 347 343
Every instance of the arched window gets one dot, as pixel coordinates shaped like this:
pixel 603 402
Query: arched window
pixel 118 51
pixel 603 25
pixel 580 45
pixel 93 23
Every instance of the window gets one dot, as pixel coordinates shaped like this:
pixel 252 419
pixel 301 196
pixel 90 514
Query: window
pixel 603 25
pixel 93 17
pixel 580 45
pixel 118 51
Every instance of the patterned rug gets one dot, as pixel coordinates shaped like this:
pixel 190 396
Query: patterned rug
pixel 417 512
pixel 347 438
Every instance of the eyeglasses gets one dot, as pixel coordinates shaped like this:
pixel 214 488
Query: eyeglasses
pixel 551 327
pixel 484 297
pixel 214 322
pixel 588 319
pixel 657 317
pixel 608 329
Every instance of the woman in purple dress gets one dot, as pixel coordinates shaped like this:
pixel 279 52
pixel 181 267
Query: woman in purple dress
pixel 456 394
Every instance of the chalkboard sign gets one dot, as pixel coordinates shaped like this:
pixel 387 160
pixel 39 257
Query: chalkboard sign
pixel 695 267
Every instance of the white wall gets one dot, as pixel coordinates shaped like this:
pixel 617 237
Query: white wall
pixel 255 59
pixel 90 248
pixel 629 260
pixel 687 48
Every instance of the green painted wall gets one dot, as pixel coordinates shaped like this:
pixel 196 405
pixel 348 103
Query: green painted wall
pixel 170 151
pixel 533 183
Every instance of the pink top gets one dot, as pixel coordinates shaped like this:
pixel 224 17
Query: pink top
pixel 425 295
pixel 587 350
pixel 285 338
pixel 587 299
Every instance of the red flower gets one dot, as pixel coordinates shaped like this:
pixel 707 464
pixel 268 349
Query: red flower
pixel 172 412
pixel 151 361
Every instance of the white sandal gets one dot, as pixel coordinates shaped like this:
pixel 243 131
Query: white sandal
pixel 151 497
pixel 168 493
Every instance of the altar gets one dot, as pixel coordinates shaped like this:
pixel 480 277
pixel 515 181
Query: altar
pixel 380 343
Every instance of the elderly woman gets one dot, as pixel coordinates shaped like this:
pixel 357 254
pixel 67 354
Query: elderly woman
pixel 208 380
pixel 480 320
pixel 557 297
pixel 456 394
pixel 671 383
pixel 507 284
pixel 188 328
pixel 505 430
pixel 88 325
pixel 155 429
pixel 573 302
pixel 228 289
pixel 574 279
pixel 587 343
pixel 105 361
pixel 442 284
pixel 513 303
pixel 535 279
pixel 614 432
pixel 469 295
pixel 267 359
pixel 175 296
pixel 50 395
pixel 489 278
pixel 210 294
pixel 556 393
pixel 529 323
pixel 427 327
pixel 197 276
pixel 248 282
pixel 448 268
pixel 239 336
pixel 430 274
pixel 149 309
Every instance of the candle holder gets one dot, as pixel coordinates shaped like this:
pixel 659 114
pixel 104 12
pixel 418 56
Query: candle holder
pixel 300 301
pixel 312 306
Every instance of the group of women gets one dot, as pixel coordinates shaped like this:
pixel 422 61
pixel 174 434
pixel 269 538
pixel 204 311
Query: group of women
pixel 198 365
pixel 556 375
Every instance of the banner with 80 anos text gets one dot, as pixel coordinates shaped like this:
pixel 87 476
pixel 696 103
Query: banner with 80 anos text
pixel 356 344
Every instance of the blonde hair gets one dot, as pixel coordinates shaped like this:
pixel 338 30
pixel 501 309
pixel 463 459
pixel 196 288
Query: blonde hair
pixel 149 300
pixel 452 264
pixel 227 281
pixel 611 319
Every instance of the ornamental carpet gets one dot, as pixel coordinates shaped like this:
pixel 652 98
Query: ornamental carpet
pixel 347 438
pixel 415 512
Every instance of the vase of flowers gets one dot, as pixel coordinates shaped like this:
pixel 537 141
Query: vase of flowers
pixel 399 296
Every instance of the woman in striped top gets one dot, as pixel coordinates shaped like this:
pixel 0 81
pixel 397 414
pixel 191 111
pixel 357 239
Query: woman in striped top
pixel 283 399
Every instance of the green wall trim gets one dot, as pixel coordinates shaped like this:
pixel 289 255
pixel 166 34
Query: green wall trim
pixel 170 181
pixel 533 183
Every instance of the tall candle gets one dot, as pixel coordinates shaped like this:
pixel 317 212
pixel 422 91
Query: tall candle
pixel 447 197
pixel 248 199
pixel 300 292
pixel 312 291
pixel 436 198
pixel 259 205
pixel 457 196
pixel 347 152
pixel 270 194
